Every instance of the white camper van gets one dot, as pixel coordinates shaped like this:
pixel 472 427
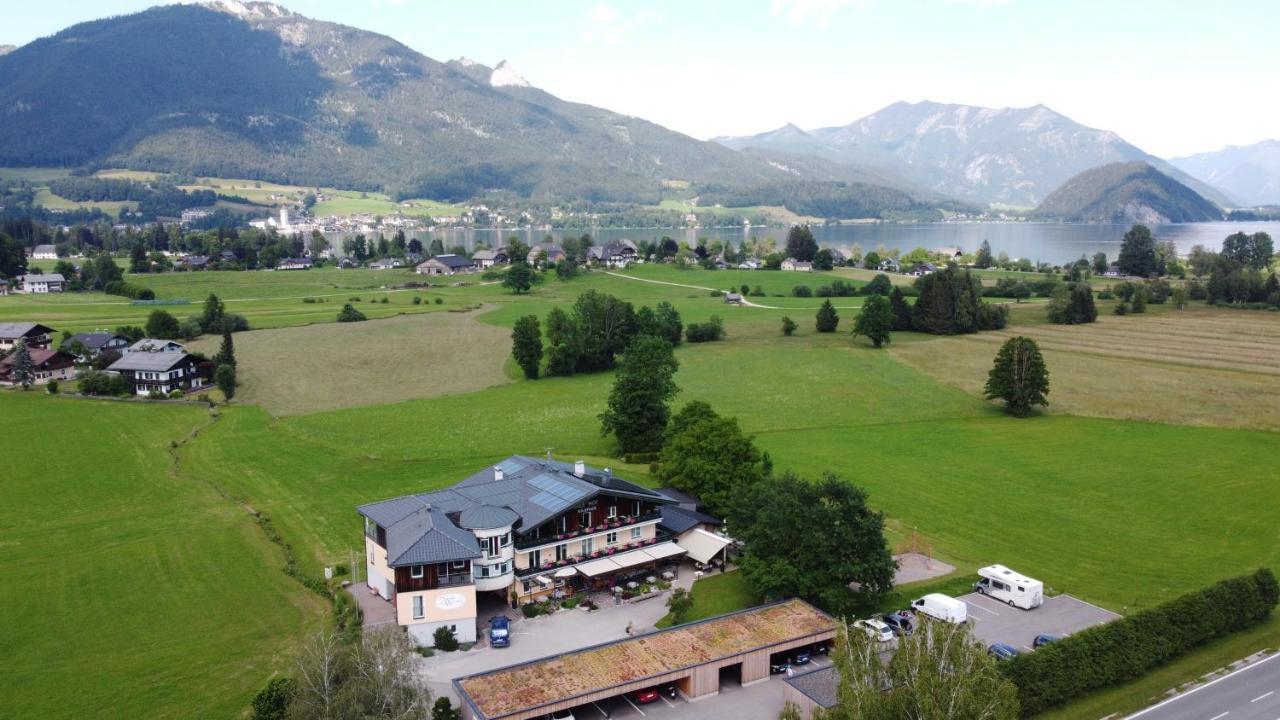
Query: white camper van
pixel 1007 586
pixel 942 607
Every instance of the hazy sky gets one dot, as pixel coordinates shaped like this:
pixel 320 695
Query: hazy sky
pixel 1172 76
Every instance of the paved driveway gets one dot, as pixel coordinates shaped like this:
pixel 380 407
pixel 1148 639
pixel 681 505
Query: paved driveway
pixel 995 622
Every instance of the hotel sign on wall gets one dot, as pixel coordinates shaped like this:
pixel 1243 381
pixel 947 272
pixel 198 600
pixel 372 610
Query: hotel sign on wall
pixel 450 601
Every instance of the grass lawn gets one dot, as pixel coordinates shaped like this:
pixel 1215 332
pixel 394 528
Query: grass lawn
pixel 130 592
pixel 717 595
pixel 321 367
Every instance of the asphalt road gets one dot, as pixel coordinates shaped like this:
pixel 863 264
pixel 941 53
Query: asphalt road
pixel 1250 693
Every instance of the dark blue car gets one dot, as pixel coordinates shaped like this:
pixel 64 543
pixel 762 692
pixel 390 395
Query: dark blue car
pixel 499 632
pixel 1002 651
pixel 1044 640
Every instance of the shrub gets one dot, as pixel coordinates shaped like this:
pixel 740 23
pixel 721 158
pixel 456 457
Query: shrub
pixel 1106 295
pixel 801 291
pixel 309 301
pixel 717 293
pixel 444 639
pixel 272 701
pixel 1121 309
pixel 1128 648
pixel 531 610
pixel 145 294
pixel 788 326
pixel 52 387
pixel 439 301
pixel 709 331
pixel 384 300
pixel 350 314
pixel 417 300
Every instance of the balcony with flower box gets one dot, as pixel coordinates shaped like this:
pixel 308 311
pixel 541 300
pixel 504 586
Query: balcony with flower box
pixel 611 525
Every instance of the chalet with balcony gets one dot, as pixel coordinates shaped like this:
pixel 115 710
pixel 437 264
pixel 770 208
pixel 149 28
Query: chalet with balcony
pixel 524 529
pixel 36 335
pixel 40 284
pixel 46 365
pixel 157 366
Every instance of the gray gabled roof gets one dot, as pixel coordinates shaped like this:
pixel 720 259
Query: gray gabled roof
pixel 12 331
pixel 821 686
pixel 452 262
pixel 93 340
pixel 678 519
pixel 426 536
pixel 148 361
pixel 47 278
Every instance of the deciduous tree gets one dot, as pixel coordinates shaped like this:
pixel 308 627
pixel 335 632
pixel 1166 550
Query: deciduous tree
pixel 526 345
pixel 1138 252
pixel 800 243
pixel 637 410
pixel 875 320
pixel 709 456
pixel 160 324
pixel 1019 376
pixel 518 278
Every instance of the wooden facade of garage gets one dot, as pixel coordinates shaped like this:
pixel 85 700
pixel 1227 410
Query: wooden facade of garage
pixel 695 682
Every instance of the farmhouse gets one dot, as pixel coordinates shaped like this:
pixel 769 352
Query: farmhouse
pixel 40 284
pixel 46 365
pixel 922 269
pixel 547 252
pixel 386 264
pixel 156 366
pixel 36 335
pixel 194 262
pixel 444 265
pixel 890 265
pixel 485 259
pixel 749 264
pixel 4 287
pixel 795 265
pixel 693 657
pixel 619 253
pixel 294 264
pixel 95 343
pixel 524 529
pixel 44 252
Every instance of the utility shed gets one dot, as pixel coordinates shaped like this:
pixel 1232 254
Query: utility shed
pixel 691 656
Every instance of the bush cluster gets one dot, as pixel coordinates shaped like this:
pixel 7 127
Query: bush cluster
pixel 709 331
pixel 1120 651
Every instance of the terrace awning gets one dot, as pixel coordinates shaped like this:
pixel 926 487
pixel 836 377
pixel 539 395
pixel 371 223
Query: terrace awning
pixel 566 572
pixel 663 550
pixel 702 545
pixel 543 579
pixel 602 566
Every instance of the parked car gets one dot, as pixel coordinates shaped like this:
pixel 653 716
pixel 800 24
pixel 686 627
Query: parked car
pixel 875 629
pixel 560 715
pixel 1044 640
pixel 499 631
pixel 900 622
pixel 1003 651
pixel 820 648
pixel 647 695
pixel 778 664
pixel 800 657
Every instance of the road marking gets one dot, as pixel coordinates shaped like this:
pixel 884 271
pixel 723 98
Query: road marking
pixel 637 707
pixel 1263 697
pixel 979 607
pixel 603 714
pixel 1201 687
pixel 1219 717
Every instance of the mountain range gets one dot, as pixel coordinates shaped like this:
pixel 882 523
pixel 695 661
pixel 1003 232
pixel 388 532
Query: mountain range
pixel 243 89
pixel 1250 174
pixel 1123 193
pixel 1010 156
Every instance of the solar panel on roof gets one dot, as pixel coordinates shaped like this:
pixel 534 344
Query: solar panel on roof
pixel 550 502
pixel 556 487
pixel 511 465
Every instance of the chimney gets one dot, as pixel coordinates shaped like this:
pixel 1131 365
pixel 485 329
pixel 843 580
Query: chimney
pixel 579 468
pixel 497 473
pixel 608 472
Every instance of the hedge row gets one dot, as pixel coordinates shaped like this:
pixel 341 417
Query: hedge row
pixel 1130 647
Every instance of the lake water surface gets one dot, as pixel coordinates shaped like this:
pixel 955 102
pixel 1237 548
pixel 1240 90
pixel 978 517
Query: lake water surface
pixel 1048 242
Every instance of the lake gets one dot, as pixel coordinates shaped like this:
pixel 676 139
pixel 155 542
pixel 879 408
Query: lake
pixel 1049 242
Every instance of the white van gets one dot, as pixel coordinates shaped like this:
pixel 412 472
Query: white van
pixel 1007 586
pixel 942 607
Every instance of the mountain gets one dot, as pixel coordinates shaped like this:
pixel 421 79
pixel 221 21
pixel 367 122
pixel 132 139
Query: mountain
pixel 251 89
pixel 1132 192
pixel 1251 174
pixel 1012 156
pixel 6 49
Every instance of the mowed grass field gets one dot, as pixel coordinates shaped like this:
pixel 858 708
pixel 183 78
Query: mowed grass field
pixel 1199 366
pixel 321 367
pixel 130 591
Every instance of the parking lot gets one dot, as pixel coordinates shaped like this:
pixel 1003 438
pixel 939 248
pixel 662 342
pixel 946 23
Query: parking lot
pixel 995 622
pixel 759 700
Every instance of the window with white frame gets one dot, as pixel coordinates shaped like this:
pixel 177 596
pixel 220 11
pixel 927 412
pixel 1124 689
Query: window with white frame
pixel 635 533
pixel 588 545
pixel 416 572
pixel 584 518
pixel 611 538
pixel 418 613
pixel 562 552
pixel 613 511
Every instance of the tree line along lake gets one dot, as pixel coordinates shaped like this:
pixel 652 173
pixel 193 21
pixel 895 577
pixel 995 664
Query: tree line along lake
pixel 1048 242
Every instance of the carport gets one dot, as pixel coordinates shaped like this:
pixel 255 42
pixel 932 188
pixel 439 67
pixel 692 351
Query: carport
pixel 690 656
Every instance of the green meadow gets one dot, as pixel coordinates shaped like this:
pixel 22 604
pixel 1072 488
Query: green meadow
pixel 1117 511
